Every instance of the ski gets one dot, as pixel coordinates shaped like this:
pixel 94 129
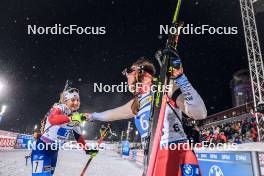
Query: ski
pixel 159 103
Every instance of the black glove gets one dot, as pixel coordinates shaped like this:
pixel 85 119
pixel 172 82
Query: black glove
pixel 91 151
pixel 175 60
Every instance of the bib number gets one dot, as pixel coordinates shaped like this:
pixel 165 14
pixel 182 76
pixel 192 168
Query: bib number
pixel 176 127
pixel 37 166
pixel 144 123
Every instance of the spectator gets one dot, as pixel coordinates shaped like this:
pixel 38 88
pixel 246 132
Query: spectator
pixel 254 134
pixel 222 138
pixel 237 140
pixel 236 131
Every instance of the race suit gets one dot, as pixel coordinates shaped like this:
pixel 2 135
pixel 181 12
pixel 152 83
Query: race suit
pixel 56 132
pixel 179 162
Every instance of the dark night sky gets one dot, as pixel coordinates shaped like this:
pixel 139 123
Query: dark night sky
pixel 36 66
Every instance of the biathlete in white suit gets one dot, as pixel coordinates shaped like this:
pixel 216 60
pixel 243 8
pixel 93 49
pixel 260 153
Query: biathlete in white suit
pixel 61 119
pixel 183 99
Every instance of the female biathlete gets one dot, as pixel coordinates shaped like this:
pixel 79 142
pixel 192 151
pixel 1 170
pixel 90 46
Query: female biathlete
pixel 184 98
pixel 59 121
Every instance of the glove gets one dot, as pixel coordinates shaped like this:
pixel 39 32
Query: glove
pixel 175 63
pixel 175 60
pixel 175 69
pixel 78 118
pixel 91 152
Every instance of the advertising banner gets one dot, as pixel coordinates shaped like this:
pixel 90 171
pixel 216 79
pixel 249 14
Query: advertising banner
pixel 225 163
pixel 7 139
pixel 125 149
pixel 23 141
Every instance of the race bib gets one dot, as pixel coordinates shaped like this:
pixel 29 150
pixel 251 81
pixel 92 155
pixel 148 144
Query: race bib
pixel 37 166
pixel 142 123
pixel 63 132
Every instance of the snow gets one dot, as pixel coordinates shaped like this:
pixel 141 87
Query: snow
pixel 70 163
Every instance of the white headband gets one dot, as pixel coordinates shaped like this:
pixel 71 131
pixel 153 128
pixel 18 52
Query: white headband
pixel 67 95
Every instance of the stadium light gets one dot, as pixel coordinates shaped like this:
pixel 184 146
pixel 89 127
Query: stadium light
pixel 35 127
pixel 3 109
pixel 1 86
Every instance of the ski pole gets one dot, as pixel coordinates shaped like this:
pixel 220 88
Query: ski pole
pixel 87 164
pixel 27 156
pixel 100 140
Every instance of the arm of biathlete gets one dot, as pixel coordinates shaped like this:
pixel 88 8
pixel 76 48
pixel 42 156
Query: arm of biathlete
pixel 119 113
pixel 57 118
pixel 78 137
pixel 189 101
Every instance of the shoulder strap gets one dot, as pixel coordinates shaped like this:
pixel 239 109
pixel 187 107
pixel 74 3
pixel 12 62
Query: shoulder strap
pixel 180 120
pixel 175 94
pixel 168 103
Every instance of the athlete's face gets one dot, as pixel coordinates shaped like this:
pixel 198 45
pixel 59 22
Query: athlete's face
pixel 73 104
pixel 131 77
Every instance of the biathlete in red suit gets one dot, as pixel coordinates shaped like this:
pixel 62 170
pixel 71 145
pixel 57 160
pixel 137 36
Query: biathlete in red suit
pixel 61 119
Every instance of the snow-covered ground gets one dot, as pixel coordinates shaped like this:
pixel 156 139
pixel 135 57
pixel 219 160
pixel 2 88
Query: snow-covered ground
pixel 70 163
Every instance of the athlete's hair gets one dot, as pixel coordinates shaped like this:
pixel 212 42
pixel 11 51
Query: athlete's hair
pixel 61 100
pixel 145 66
